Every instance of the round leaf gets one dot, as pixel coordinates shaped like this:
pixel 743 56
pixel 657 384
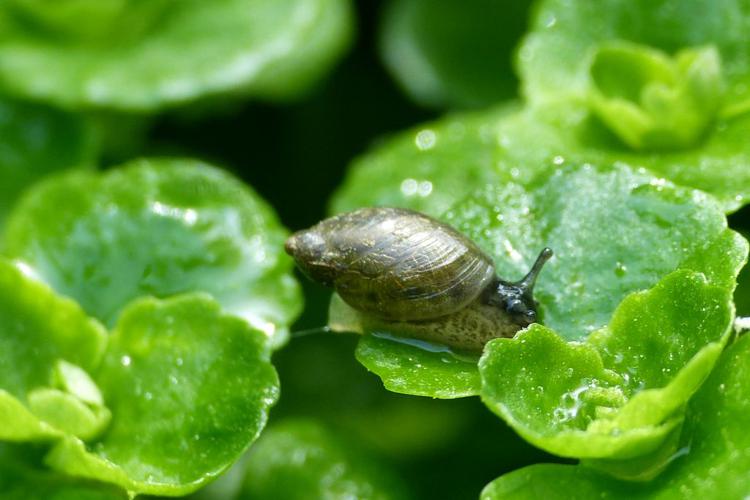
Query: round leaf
pixel 159 227
pixel 189 389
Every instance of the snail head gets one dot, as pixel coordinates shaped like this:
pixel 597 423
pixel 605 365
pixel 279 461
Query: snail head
pixel 518 298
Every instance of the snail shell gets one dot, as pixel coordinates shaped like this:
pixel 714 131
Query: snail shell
pixel 418 276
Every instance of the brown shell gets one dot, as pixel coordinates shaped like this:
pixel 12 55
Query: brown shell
pixel 393 263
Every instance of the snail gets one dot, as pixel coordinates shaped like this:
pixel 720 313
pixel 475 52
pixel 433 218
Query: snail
pixel 411 274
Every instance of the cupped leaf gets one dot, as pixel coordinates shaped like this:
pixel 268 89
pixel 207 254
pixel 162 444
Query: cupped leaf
pixel 37 329
pixel 300 459
pixel 712 464
pixel 135 55
pixel 158 227
pixel 617 395
pixel 427 168
pixel 37 141
pixel 189 388
pixel 453 53
pixel 555 57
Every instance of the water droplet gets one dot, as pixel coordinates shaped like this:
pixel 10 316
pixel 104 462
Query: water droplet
pixel 125 360
pixel 148 396
pixel 424 189
pixel 425 139
pixel 409 187
pixel 179 362
pixel 558 160
pixel 620 269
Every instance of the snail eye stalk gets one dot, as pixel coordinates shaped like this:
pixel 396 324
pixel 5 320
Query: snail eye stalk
pixel 527 282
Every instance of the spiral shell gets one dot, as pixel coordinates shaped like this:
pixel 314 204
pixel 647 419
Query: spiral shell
pixel 394 264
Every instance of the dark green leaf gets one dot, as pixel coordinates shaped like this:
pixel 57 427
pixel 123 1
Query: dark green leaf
pixel 453 53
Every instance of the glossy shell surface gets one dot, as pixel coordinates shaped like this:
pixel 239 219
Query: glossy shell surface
pixel 393 263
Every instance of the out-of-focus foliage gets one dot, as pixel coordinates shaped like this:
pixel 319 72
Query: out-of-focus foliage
pixel 300 459
pixel 36 141
pixel 453 53
pixel 144 55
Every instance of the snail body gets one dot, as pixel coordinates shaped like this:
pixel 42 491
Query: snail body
pixel 414 275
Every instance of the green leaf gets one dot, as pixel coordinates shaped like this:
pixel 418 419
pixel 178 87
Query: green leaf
pixel 37 141
pixel 618 395
pixel 405 365
pixel 158 227
pixel 653 228
pixel 300 459
pixel 712 464
pixel 20 482
pixel 141 56
pixel 427 168
pixel 37 329
pixel 419 368
pixel 453 53
pixel 555 57
pixel 189 388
